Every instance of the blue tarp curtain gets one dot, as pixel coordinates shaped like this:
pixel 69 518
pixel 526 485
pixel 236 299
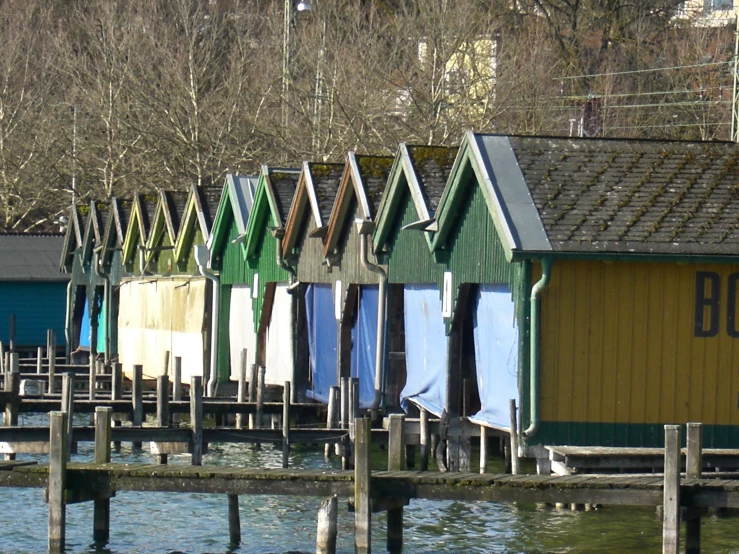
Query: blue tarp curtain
pixel 496 353
pixel 102 330
pixel 364 344
pixel 322 331
pixel 85 330
pixel 425 349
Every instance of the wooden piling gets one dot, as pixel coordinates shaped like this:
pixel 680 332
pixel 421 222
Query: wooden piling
pixel 241 392
pixel 253 378
pixel 52 368
pixel 344 397
pixel 671 504
pixel 327 526
pixel 12 333
pixel 137 398
pixel 177 379
pixel 12 385
pixel 196 419
pixel 51 351
pixel 260 397
pixel 116 392
pixel 234 522
pixel 101 510
pixel 286 425
pixel 39 360
pixel 483 449
pixel 68 408
pixel 2 357
pixel 92 375
pixel 331 415
pixel 165 363
pixel 693 470
pixel 362 474
pixel 425 440
pixel 162 409
pixel 515 464
pixel 57 483
pixel 395 462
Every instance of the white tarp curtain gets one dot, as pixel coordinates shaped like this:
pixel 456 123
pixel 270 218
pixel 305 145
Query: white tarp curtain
pixel 160 315
pixel 496 354
pixel 425 349
pixel 280 337
pixel 241 330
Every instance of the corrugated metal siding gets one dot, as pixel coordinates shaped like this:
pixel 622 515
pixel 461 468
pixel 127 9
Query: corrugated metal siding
pixel 410 260
pixel 223 362
pixel 37 307
pixel 619 347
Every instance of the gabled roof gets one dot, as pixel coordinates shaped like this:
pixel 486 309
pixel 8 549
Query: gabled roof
pixel 31 257
pixel 274 196
pixel 424 170
pixel 94 228
pixel 364 179
pixel 142 214
pixel 201 203
pixel 170 210
pixel 74 235
pixel 316 188
pixel 604 196
pixel 115 227
pixel 236 204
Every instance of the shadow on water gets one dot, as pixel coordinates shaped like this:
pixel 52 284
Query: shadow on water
pixel 163 523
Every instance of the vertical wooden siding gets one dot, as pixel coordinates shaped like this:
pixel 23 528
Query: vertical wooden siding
pixel 618 346
pixel 37 307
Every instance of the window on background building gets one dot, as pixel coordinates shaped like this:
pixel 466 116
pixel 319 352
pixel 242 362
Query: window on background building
pixel 713 5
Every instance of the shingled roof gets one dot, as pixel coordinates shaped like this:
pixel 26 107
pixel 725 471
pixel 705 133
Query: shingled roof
pixel 283 183
pixel 603 196
pixel 31 257
pixel 433 165
pixel 634 196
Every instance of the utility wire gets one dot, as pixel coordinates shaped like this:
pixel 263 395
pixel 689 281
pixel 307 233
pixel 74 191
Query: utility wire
pixel 668 104
pixel 634 94
pixel 635 71
pixel 609 128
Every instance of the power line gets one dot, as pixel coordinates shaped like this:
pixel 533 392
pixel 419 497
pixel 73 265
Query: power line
pixel 668 104
pixel 635 94
pixel 667 126
pixel 635 71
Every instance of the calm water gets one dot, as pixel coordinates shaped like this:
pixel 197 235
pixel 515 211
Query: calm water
pixel 197 523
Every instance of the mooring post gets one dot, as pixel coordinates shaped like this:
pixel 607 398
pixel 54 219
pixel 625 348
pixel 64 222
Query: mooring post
pixel 196 419
pixel 395 462
pixel 425 439
pixel 162 409
pixel 12 385
pixel 48 344
pixel 12 333
pixel 693 470
pixel 514 438
pixel 177 379
pixel 484 449
pixel 331 419
pixel 261 372
pixel 241 392
pixel 57 483
pixel 234 522
pixel 344 393
pixel 2 357
pixel 116 392
pixel 252 393
pixel 165 363
pixel 101 510
pixel 353 414
pixel 671 504
pixel 39 360
pixel 92 375
pixel 327 519
pixel 51 351
pixel 52 366
pixel 137 398
pixel 286 425
pixel 68 408
pixel 362 475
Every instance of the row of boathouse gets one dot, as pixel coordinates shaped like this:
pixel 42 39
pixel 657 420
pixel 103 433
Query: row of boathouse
pixel 593 281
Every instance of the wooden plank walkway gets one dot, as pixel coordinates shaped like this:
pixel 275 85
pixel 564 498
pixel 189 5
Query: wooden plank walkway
pixel 581 489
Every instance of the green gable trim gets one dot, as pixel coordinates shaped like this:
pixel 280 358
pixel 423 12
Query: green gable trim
pixel 647 435
pixel 260 219
pixel 402 178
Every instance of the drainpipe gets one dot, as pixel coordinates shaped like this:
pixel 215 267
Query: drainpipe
pixel 201 258
pixel 546 269
pixel 364 236
pixel 68 324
